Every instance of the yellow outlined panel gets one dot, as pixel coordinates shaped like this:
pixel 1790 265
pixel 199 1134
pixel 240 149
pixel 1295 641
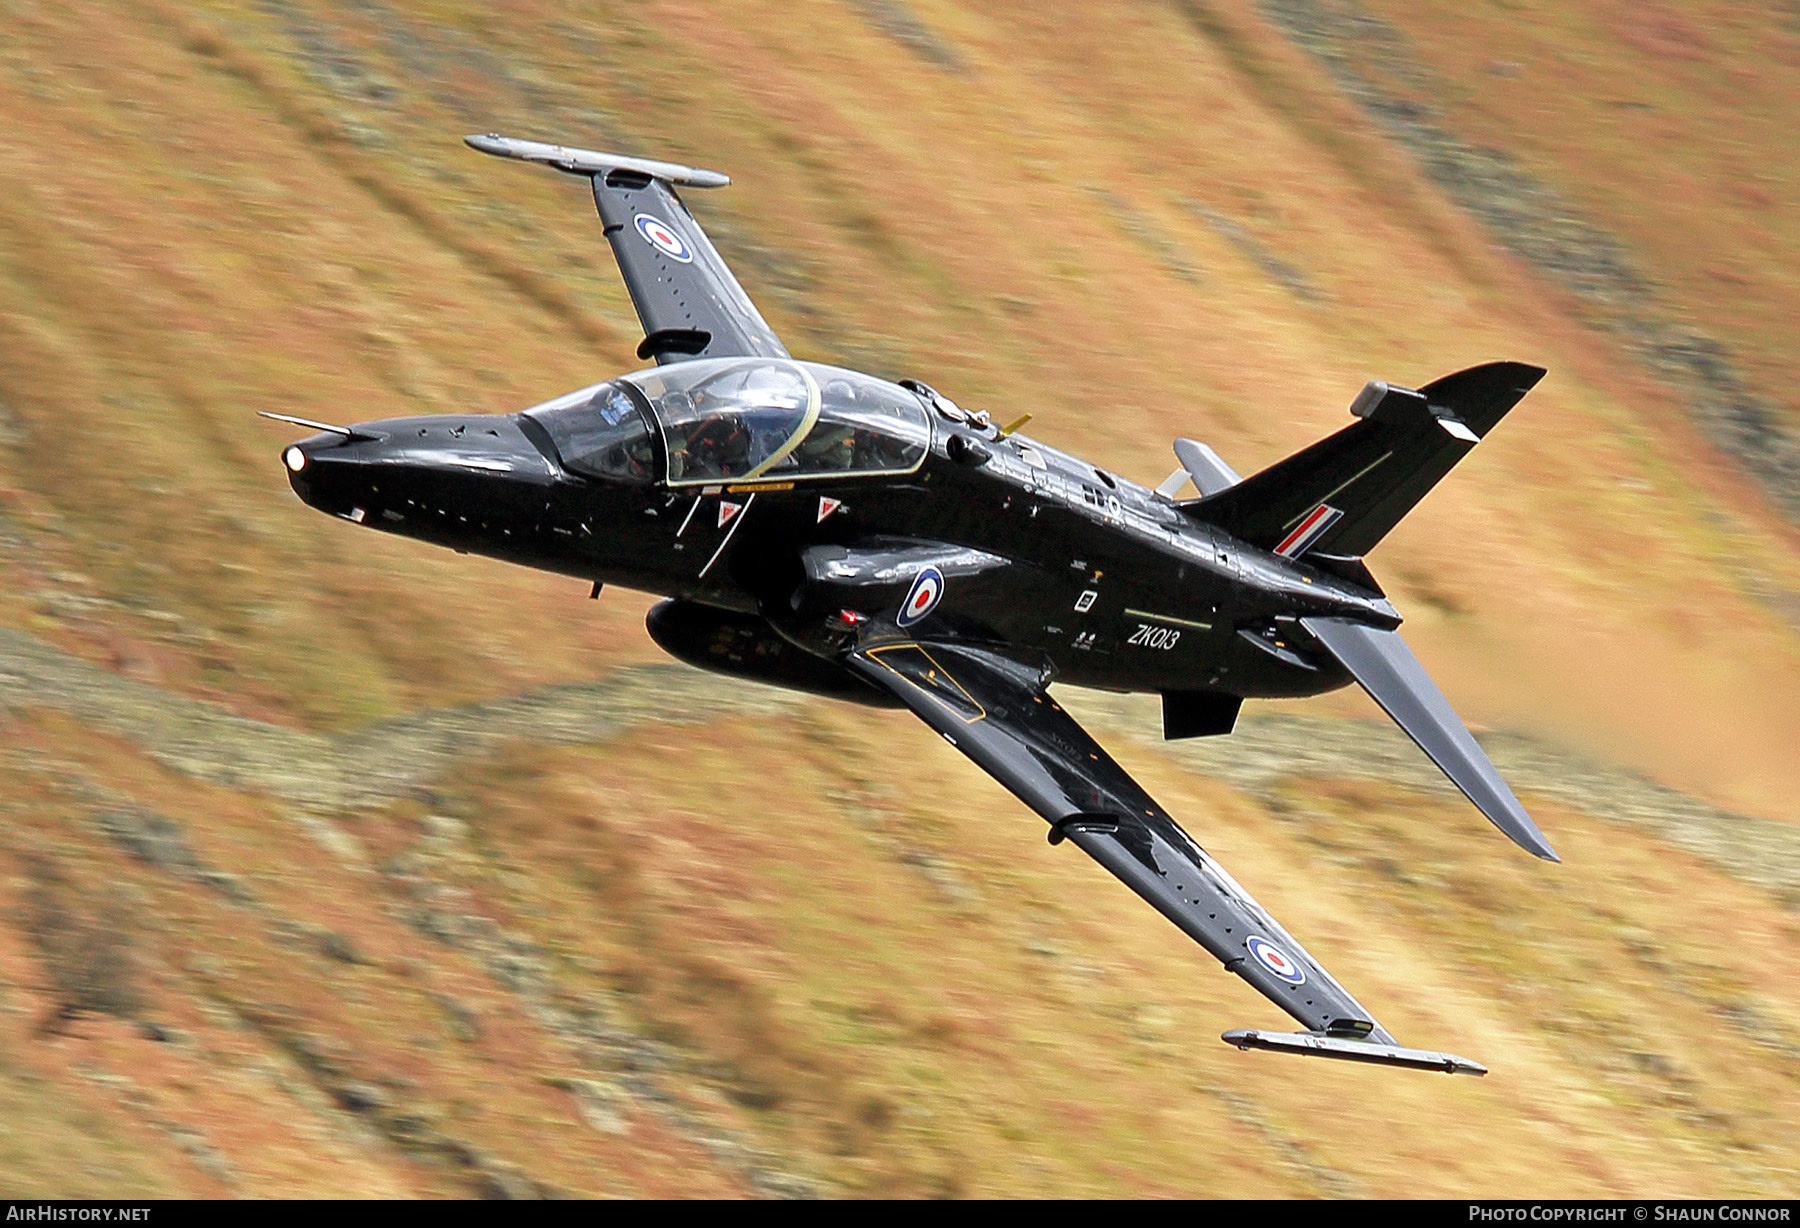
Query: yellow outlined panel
pixel 933 672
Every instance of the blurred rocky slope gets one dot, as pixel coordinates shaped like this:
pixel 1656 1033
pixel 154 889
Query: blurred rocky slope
pixel 329 864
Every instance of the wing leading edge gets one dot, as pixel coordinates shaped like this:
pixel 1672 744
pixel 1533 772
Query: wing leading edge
pixel 998 713
pixel 686 297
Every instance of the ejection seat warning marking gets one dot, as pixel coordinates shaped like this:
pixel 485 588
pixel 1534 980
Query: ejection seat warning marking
pixel 660 235
pixel 1085 602
pixel 727 511
pixel 828 506
pixel 736 518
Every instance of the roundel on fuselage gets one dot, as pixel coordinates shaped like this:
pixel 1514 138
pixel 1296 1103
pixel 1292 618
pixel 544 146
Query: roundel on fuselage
pixel 922 598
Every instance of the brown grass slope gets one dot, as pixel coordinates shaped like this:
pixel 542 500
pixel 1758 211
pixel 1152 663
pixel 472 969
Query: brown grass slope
pixel 797 948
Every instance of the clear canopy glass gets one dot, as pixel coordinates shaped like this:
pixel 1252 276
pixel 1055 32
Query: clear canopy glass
pixel 743 419
pixel 601 432
pixel 737 420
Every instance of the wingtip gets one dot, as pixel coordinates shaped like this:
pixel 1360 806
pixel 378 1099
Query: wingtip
pixel 1321 1044
pixel 1526 834
pixel 575 161
pixel 1529 838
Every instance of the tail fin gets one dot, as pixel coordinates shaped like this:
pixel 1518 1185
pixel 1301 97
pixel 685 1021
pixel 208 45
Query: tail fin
pixel 1343 494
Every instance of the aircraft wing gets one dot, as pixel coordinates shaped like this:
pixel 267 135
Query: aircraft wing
pixel 999 714
pixel 686 297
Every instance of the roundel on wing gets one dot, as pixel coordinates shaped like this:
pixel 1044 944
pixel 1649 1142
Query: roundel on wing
pixel 922 598
pixel 1276 960
pixel 662 236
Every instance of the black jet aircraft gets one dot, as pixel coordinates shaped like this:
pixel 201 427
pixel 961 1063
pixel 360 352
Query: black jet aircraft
pixel 822 529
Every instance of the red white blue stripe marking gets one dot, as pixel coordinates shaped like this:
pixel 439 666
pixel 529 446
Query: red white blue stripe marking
pixel 1276 960
pixel 1308 531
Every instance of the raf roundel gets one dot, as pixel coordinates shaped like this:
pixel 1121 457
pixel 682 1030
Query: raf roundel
pixel 922 598
pixel 660 235
pixel 1276 960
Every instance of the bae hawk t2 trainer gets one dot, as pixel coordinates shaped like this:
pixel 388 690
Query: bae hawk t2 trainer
pixel 825 530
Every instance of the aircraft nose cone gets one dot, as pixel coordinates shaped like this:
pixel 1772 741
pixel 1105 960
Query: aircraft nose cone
pixel 300 462
pixel 467 470
pixel 322 468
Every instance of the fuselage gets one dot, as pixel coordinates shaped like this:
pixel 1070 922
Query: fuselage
pixel 1105 582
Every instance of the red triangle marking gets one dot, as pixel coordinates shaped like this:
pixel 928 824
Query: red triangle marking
pixel 828 506
pixel 727 511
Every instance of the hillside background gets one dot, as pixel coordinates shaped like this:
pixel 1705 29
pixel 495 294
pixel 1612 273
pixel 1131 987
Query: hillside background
pixel 334 864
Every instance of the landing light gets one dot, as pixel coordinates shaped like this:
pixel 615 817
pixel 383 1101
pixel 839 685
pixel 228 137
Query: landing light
pixel 294 458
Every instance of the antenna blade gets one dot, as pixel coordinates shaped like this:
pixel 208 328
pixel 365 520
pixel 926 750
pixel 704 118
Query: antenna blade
pixel 345 431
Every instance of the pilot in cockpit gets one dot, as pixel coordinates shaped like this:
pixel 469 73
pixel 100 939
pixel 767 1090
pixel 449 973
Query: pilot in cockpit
pixel 712 443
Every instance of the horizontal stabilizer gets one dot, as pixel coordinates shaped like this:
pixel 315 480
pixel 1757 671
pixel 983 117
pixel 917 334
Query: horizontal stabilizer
pixel 1393 676
pixel 1348 1049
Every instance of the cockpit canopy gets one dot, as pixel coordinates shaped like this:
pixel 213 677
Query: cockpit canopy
pixel 737 420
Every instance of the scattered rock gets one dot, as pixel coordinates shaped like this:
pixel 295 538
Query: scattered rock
pixel 465 1025
pixel 334 945
pixel 153 839
pixel 1247 244
pixel 12 427
pixel 894 19
pixel 1144 229
pixel 87 954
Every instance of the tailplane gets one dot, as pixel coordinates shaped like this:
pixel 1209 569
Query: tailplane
pixel 1387 669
